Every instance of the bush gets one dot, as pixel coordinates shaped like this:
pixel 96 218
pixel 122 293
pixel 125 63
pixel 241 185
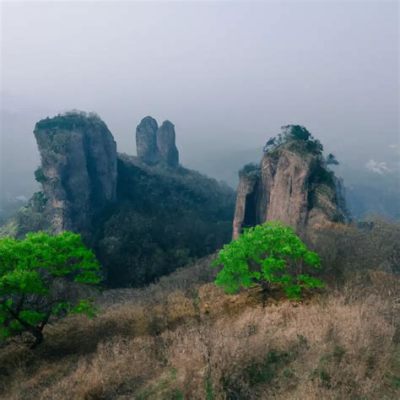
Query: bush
pixel 250 169
pixel 352 250
pixel 269 254
pixel 39 175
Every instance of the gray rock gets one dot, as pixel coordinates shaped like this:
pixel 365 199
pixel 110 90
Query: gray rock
pixel 169 154
pixel 293 186
pixel 146 141
pixel 78 168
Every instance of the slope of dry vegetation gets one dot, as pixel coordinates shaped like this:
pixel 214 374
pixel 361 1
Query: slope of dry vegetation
pixel 182 338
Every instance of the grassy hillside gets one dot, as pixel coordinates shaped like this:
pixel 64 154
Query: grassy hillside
pixel 183 338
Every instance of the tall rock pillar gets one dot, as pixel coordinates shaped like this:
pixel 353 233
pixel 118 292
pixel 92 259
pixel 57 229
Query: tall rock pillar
pixel 169 154
pixel 78 169
pixel 146 141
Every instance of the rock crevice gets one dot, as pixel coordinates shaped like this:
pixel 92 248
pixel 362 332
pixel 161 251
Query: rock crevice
pixel 156 145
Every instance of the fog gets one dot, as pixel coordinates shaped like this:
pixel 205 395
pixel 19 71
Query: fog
pixel 227 74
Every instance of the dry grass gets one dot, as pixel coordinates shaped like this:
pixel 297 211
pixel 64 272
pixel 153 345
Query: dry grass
pixel 178 340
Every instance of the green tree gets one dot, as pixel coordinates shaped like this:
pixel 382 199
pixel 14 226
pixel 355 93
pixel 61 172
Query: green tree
pixel 267 254
pixel 38 276
pixel 331 159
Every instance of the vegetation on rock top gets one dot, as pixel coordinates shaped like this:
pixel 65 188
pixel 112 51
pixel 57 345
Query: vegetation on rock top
pixel 69 121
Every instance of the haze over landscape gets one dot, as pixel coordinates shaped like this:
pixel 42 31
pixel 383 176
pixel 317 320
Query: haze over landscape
pixel 200 200
pixel 227 74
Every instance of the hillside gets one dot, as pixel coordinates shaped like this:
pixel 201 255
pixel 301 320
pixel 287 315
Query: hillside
pixel 150 222
pixel 183 338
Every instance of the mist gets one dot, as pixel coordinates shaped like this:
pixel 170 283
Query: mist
pixel 227 74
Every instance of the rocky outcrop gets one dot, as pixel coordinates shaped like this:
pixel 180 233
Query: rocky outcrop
pixel 146 141
pixel 246 199
pixel 166 144
pixel 156 145
pixel 78 169
pixel 292 185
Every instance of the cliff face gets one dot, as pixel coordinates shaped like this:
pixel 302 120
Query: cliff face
pixel 156 145
pixel 78 169
pixel 169 154
pixel 146 141
pixel 292 185
pixel 246 199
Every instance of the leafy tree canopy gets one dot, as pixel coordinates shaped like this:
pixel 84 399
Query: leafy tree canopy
pixel 299 139
pixel 33 284
pixel 268 254
pixel 331 160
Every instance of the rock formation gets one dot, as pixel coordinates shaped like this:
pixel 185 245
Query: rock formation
pixel 166 144
pixel 156 145
pixel 292 185
pixel 78 168
pixel 146 141
pixel 136 213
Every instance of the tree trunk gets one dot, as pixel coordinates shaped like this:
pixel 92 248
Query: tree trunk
pixel 264 292
pixel 38 334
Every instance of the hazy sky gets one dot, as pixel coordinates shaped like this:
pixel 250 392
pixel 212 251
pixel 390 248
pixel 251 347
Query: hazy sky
pixel 227 74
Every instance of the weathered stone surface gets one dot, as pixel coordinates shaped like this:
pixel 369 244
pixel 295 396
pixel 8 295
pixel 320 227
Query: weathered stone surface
pixel 169 154
pixel 246 200
pixel 156 145
pixel 146 141
pixel 284 186
pixel 78 168
pixel 293 186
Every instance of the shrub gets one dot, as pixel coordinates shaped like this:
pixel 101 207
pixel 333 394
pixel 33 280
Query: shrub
pixel 32 288
pixel 269 254
pixel 331 159
pixel 39 175
pixel 250 169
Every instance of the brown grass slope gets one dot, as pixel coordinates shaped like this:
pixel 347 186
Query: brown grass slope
pixel 183 338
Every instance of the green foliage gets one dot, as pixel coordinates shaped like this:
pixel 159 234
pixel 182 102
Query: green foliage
pixel 39 175
pixel 299 132
pixel 70 120
pixel 149 231
pixel 297 138
pixel 32 218
pixel 209 389
pixel 250 169
pixel 162 221
pixel 321 175
pixel 331 159
pixel 33 274
pixel 271 254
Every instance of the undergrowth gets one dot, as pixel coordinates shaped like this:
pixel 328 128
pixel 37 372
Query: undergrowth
pixel 183 338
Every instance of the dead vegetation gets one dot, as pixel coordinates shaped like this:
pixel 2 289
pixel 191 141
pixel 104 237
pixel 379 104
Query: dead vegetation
pixel 198 343
pixel 183 338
